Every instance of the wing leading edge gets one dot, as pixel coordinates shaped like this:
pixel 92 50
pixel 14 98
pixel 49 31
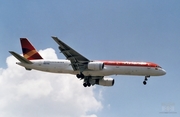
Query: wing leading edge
pixel 78 61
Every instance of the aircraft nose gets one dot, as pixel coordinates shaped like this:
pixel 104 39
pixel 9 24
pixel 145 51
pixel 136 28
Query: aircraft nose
pixel 163 72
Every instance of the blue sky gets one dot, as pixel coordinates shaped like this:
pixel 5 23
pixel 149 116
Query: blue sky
pixel 106 30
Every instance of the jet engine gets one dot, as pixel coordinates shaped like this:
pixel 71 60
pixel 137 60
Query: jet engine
pixel 95 65
pixel 105 81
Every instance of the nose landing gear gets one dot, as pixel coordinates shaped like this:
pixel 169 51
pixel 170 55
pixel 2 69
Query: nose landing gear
pixel 145 80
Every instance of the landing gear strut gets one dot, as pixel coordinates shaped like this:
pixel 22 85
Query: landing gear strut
pixel 145 80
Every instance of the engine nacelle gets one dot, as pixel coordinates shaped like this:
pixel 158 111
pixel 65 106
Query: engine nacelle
pixel 95 65
pixel 105 81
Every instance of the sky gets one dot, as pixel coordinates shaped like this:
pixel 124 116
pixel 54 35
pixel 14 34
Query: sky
pixel 100 30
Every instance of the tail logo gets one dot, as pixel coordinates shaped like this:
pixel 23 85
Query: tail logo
pixel 28 50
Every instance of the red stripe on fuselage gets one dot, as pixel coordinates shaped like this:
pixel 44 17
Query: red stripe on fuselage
pixel 125 63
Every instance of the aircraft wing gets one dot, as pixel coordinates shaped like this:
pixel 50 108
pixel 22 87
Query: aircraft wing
pixel 78 61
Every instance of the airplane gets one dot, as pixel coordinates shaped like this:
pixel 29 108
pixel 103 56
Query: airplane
pixel 92 72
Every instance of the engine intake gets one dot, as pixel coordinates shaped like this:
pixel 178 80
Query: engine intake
pixel 95 65
pixel 105 82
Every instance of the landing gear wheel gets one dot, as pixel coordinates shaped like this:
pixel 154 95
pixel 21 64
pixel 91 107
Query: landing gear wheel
pixel 84 84
pixel 88 84
pixel 80 75
pixel 144 82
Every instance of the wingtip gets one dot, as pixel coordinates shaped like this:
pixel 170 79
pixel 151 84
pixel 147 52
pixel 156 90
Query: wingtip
pixel 11 52
pixel 54 37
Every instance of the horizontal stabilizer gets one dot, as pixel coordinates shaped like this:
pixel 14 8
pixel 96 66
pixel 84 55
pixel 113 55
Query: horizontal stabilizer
pixel 20 58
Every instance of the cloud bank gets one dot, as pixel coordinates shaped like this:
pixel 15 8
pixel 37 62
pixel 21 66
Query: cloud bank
pixel 40 94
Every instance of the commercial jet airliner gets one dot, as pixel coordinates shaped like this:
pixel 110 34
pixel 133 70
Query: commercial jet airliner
pixel 91 72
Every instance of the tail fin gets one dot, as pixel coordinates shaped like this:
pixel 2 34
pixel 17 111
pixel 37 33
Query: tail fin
pixel 28 50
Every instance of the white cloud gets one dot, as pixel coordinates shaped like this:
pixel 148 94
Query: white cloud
pixel 40 94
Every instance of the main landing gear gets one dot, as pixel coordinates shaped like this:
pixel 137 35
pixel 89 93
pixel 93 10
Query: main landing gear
pixel 81 75
pixel 86 79
pixel 86 84
pixel 145 80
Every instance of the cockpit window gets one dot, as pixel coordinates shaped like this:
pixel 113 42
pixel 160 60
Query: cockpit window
pixel 158 66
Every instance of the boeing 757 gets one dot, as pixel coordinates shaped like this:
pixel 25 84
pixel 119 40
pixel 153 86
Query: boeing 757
pixel 90 71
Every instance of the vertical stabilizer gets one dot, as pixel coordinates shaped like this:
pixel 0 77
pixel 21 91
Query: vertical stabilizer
pixel 29 52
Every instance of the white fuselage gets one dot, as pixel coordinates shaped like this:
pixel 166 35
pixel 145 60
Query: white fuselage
pixel 64 66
